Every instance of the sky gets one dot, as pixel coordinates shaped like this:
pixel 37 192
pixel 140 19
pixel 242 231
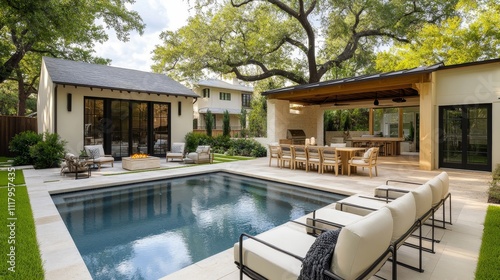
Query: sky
pixel 158 15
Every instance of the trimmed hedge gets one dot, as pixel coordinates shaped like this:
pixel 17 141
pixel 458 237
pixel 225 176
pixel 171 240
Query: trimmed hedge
pixel 225 145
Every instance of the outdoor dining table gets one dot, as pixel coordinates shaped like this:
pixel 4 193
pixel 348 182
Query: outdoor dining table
pixel 346 153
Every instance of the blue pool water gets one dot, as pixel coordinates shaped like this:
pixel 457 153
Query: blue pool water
pixel 151 229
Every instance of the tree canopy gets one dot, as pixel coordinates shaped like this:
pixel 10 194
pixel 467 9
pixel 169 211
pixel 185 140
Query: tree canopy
pixel 301 41
pixel 66 29
pixel 472 35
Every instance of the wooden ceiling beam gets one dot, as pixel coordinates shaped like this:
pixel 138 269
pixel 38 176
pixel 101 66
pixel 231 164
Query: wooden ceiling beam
pixel 353 87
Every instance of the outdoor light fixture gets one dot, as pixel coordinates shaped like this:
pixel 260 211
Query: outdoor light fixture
pixel 375 102
pixel 399 99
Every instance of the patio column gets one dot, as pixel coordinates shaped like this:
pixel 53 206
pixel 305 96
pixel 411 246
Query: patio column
pixel 278 112
pixel 428 125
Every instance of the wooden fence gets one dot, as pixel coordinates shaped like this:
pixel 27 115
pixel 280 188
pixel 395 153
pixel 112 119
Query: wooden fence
pixel 9 127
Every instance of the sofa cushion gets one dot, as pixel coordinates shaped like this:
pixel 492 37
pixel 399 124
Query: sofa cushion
pixel 443 176
pixel 361 243
pixel 177 148
pixel 437 190
pixel 271 263
pixel 423 199
pixel 383 191
pixel 368 153
pixel 343 205
pixel 403 213
pixel 332 215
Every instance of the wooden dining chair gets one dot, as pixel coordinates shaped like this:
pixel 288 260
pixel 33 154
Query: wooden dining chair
pixel 285 155
pixel 313 158
pixel 299 156
pixel 274 152
pixel 330 158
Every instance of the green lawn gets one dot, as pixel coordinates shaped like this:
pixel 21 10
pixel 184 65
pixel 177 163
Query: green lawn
pixel 19 253
pixel 489 256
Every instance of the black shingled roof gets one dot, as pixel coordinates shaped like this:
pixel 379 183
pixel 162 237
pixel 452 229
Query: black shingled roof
pixel 68 72
pixel 417 70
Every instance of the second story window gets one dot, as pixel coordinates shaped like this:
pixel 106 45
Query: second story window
pixel 224 96
pixel 246 99
pixel 206 93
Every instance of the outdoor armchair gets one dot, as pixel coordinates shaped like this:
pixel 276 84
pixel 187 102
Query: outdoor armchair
pixel 201 155
pixel 97 155
pixel 73 164
pixel 369 160
pixel 176 151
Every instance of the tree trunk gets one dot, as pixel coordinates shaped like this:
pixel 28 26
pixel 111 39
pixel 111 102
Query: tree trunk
pixel 21 105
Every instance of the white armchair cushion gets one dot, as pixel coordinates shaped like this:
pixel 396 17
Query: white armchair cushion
pixel 177 148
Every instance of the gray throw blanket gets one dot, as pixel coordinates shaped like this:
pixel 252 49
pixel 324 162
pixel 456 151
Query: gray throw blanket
pixel 319 257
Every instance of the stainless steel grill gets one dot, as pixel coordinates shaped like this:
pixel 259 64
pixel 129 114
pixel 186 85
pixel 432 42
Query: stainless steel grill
pixel 298 136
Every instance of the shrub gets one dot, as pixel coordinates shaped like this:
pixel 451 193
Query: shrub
pixel 49 152
pixel 226 127
pixel 494 191
pixel 209 122
pixel 225 145
pixel 220 144
pixel 248 147
pixel 20 146
pixel 194 139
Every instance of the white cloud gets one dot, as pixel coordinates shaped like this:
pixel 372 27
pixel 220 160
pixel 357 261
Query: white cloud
pixel 158 15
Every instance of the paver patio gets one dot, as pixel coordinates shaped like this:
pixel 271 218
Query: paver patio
pixel 455 258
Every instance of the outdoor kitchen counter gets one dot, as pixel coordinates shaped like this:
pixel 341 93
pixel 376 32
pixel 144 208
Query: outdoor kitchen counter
pixel 390 144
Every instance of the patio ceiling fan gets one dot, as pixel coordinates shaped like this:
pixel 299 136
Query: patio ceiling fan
pixel 400 99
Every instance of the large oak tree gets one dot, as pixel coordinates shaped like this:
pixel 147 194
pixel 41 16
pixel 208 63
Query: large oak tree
pixel 473 35
pixel 301 41
pixel 67 29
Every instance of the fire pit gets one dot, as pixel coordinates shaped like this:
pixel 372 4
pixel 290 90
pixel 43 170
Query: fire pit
pixel 140 161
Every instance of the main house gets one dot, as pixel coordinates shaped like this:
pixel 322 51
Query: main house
pixel 127 111
pixel 218 96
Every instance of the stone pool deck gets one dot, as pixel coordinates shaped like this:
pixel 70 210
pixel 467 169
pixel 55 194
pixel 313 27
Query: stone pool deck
pixel 455 258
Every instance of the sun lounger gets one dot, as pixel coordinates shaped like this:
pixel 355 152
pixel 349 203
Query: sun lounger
pixel 440 185
pixel 406 217
pixel 361 250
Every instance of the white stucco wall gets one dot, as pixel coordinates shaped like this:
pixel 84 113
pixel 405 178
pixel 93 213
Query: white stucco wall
pixel 45 102
pixel 70 124
pixel 479 84
pixel 214 100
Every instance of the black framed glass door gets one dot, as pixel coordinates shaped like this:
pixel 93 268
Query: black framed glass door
pixel 465 137
pixel 125 127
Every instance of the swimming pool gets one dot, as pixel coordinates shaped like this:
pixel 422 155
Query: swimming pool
pixel 151 229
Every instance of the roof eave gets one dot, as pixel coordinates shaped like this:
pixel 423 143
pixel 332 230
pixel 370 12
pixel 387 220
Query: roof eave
pixel 126 89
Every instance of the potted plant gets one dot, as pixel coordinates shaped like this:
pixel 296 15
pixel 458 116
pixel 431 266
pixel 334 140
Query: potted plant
pixel 410 138
pixel 83 154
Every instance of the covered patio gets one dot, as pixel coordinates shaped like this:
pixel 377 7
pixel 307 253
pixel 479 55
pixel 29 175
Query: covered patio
pixel 436 99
